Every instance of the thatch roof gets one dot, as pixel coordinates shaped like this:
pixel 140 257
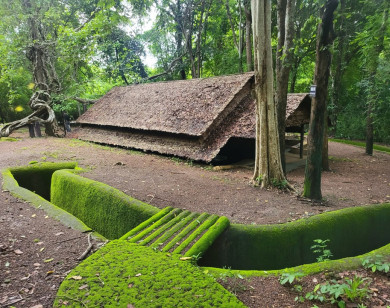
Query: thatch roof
pixel 188 118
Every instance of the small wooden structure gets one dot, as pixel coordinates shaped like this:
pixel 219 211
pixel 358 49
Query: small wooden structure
pixel 199 119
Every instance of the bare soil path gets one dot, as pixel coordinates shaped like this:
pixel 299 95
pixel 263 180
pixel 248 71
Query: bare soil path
pixel 36 252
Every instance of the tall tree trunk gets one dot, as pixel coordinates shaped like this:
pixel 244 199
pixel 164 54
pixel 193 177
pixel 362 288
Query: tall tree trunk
pixel 339 70
pixel 286 12
pixel 325 37
pixel 179 38
pixel 248 38
pixel 369 130
pixel 372 70
pixel 325 152
pixel 268 167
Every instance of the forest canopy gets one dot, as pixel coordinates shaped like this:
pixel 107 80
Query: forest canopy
pixel 96 45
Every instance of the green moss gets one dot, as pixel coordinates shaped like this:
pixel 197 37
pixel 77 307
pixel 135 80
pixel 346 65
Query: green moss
pixel 105 209
pixel 9 139
pixel 351 231
pixel 161 241
pixel 185 231
pixel 147 223
pixel 362 144
pixel 203 227
pixel 121 273
pixel 164 227
pixel 10 184
pixel 209 237
pixel 37 177
pixel 155 225
pixel 339 265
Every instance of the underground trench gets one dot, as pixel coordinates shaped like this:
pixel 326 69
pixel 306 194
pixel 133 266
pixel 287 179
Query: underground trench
pixel 351 231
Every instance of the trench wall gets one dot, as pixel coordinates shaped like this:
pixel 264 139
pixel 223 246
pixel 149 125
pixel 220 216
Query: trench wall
pixel 352 231
pixel 105 209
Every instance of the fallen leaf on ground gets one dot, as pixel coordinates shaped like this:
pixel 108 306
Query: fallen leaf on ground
pixel 48 260
pixel 185 258
pixel 25 278
pixel 139 274
pixel 59 233
pixel 76 277
pixel 37 306
pixel 18 251
pixel 84 286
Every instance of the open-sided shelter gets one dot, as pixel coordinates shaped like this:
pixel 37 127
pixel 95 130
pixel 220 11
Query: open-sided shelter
pixel 199 119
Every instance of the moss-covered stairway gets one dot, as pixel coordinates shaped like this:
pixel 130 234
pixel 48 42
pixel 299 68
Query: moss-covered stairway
pixel 125 273
pixel 178 231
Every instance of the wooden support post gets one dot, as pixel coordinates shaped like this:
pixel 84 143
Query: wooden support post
pixel 31 130
pixel 37 129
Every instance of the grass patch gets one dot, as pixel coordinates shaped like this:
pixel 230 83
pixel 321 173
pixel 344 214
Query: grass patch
pixel 341 159
pixel 377 147
pixel 9 139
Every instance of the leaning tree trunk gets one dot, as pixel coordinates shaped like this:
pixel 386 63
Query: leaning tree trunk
pixel 325 37
pixel 45 78
pixel 286 12
pixel 268 167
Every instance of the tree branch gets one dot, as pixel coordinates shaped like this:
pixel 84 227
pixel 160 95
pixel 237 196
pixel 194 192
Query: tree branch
pixel 93 15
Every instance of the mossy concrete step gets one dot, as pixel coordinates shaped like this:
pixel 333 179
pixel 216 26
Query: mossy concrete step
pixel 178 231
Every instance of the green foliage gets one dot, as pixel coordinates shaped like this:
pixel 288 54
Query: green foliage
pixel 321 249
pixel 355 289
pixel 290 278
pixel 90 51
pixel 279 184
pixel 235 281
pixel 377 263
pixel 120 274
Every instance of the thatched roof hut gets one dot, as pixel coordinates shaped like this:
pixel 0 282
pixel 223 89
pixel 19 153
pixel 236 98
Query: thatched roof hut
pixel 188 118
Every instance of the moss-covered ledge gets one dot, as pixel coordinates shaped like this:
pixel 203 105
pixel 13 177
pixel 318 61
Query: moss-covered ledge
pixel 42 172
pixel 122 273
pixel 107 210
pixel 336 266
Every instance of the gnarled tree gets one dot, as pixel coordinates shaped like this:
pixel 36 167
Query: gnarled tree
pixel 40 53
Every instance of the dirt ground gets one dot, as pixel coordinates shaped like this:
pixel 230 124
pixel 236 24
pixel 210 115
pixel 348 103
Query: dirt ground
pixel 36 252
